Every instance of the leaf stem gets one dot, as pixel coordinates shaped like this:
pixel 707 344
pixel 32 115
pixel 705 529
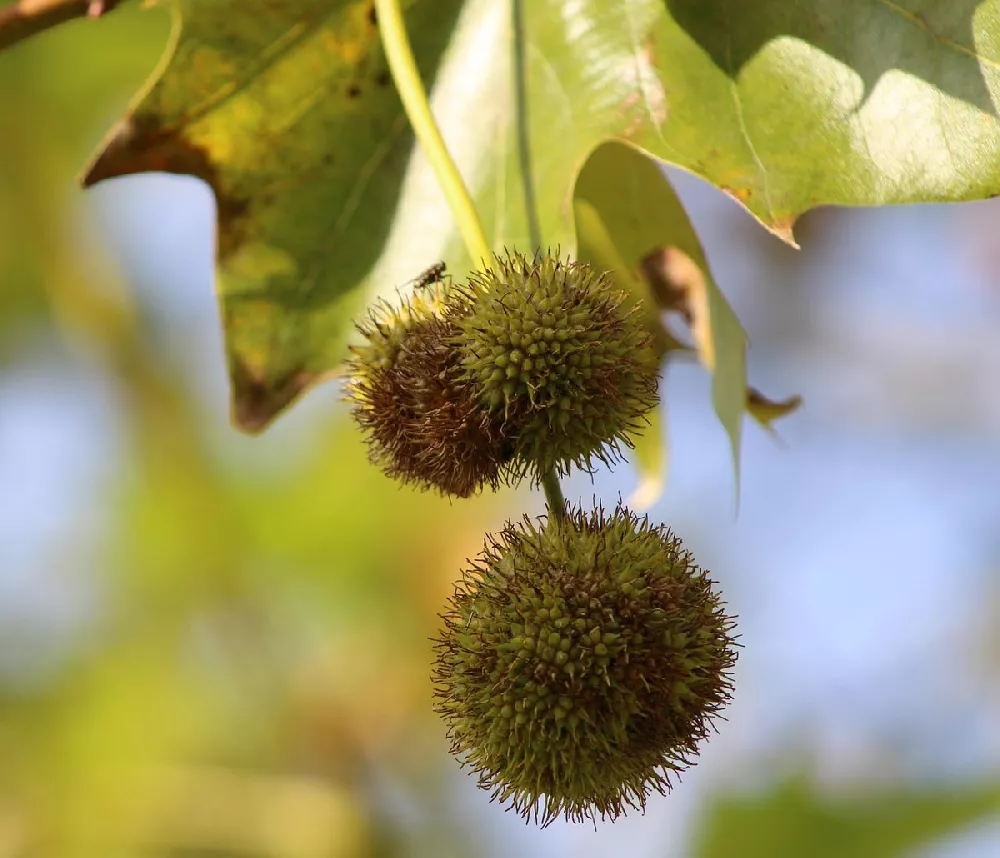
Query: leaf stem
pixel 418 111
pixel 553 495
pixel 550 482
pixel 26 18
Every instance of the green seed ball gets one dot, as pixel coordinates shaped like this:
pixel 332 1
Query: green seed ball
pixel 578 372
pixel 422 422
pixel 632 686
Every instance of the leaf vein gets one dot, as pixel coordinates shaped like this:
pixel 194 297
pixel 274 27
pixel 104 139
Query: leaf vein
pixel 918 21
pixel 268 56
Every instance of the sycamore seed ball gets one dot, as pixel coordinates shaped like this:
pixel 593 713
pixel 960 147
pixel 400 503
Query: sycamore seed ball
pixel 422 424
pixel 581 663
pixel 556 348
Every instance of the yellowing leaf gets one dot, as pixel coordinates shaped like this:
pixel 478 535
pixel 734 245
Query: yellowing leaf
pixel 650 452
pixel 627 215
pixel 650 461
pixel 288 112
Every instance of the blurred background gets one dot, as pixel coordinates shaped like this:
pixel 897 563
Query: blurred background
pixel 215 645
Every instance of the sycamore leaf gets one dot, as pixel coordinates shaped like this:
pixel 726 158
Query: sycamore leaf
pixel 629 220
pixel 785 106
pixel 289 113
pixel 286 110
pixel 792 105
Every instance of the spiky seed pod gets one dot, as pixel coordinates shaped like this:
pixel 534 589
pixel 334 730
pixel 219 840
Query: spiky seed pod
pixel 422 424
pixel 557 349
pixel 581 663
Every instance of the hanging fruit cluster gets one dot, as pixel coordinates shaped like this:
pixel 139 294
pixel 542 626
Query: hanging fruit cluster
pixel 584 655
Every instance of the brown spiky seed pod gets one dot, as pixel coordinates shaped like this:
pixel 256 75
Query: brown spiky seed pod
pixel 583 660
pixel 557 349
pixel 422 424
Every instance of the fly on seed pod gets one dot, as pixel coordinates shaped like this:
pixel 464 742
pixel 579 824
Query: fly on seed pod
pixel 434 274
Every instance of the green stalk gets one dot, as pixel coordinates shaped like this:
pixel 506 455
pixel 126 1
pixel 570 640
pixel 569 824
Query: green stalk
pixel 553 495
pixel 550 482
pixel 418 111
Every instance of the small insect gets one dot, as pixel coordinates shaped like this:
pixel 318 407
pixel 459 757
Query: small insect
pixel 434 274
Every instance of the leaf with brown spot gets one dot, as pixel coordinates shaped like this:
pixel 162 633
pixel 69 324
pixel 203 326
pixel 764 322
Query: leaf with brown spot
pixel 789 106
pixel 287 112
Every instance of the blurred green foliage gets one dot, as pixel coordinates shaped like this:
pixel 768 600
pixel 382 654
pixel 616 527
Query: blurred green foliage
pixel 797 817
pixel 262 642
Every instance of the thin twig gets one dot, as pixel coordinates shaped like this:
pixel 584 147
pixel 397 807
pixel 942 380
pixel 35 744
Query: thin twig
pixel 27 18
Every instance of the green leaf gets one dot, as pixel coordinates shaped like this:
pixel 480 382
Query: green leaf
pixel 793 105
pixel 797 818
pixel 288 112
pixel 785 106
pixel 628 214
